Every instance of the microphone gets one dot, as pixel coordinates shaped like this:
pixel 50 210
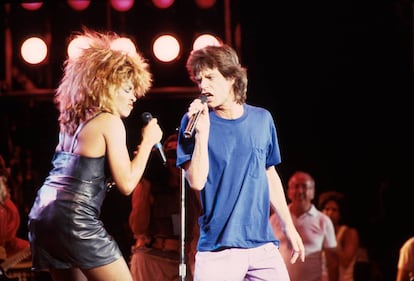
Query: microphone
pixel 146 117
pixel 192 122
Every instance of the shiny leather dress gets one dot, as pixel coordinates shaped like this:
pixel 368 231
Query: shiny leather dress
pixel 64 226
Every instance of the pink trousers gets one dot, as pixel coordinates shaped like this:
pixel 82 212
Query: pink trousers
pixel 263 263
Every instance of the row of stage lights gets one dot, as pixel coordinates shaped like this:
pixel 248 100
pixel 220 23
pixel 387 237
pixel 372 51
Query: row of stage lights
pixel 118 5
pixel 166 47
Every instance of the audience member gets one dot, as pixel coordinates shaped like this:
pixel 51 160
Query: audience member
pixel 23 183
pixel 155 222
pixel 405 267
pixel 10 243
pixel 24 177
pixel 333 204
pixel 316 230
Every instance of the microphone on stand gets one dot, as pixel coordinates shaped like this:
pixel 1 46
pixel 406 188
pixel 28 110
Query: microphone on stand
pixel 192 122
pixel 146 117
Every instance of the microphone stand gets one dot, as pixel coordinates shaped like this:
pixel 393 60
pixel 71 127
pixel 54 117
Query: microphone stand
pixel 182 267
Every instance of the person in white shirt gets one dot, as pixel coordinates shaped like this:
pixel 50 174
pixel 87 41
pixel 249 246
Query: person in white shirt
pixel 315 228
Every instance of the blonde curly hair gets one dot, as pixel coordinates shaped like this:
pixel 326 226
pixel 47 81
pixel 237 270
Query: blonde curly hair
pixel 91 78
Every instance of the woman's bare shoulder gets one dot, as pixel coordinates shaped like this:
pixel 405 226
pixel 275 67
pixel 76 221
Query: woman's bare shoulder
pixel 107 122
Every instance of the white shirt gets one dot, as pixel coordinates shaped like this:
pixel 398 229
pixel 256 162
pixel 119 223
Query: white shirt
pixel 317 232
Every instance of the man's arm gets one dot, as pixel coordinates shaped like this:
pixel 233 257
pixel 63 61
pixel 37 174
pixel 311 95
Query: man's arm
pixel 279 204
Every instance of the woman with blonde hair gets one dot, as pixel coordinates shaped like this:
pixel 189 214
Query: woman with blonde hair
pixel 102 80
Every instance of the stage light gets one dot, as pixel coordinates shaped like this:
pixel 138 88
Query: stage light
pixel 32 6
pixel 76 46
pixel 34 50
pixel 205 4
pixel 166 48
pixel 206 40
pixel 79 5
pixel 162 4
pixel 122 5
pixel 124 45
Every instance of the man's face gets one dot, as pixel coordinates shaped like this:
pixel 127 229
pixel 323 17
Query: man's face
pixel 215 87
pixel 301 188
pixel 170 149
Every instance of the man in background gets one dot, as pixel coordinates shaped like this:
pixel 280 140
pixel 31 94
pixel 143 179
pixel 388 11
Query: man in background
pixel 155 222
pixel 315 228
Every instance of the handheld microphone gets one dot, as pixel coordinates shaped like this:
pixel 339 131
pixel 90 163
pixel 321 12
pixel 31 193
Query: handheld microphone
pixel 192 122
pixel 146 117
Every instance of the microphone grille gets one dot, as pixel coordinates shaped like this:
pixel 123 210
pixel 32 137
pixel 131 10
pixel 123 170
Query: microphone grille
pixel 146 117
pixel 203 98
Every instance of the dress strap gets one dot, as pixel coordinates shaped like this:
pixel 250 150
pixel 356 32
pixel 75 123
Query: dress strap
pixel 75 135
pixel 61 140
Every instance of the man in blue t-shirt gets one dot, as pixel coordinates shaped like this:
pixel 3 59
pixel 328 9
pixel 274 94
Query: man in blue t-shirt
pixel 228 150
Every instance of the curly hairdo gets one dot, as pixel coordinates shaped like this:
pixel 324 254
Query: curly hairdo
pixel 90 80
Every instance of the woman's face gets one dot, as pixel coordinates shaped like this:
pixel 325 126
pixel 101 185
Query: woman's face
pixel 332 210
pixel 124 99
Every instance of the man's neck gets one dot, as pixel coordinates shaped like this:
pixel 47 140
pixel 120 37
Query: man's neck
pixel 234 111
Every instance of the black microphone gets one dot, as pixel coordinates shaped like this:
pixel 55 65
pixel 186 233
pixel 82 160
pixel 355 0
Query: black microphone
pixel 146 117
pixel 192 122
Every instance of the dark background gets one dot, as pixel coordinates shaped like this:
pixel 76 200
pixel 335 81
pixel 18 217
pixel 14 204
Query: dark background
pixel 336 76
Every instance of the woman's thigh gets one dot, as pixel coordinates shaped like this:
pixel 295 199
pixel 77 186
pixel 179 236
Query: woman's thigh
pixel 115 271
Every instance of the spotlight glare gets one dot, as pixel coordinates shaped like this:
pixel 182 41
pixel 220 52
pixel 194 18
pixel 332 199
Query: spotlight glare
pixel 166 48
pixel 34 50
pixel 205 4
pixel 162 4
pixel 122 5
pixel 76 47
pixel 124 45
pixel 206 40
pixel 32 6
pixel 79 5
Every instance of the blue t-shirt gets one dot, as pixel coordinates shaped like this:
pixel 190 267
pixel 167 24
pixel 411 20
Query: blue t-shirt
pixel 235 199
